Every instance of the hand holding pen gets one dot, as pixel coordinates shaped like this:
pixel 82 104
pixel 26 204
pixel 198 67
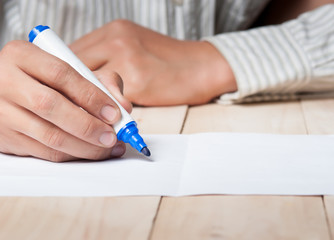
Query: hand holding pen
pixel 41 106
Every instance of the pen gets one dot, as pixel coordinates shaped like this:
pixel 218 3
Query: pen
pixel 126 129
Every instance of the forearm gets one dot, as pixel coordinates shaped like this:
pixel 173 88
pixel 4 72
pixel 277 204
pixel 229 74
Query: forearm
pixel 283 61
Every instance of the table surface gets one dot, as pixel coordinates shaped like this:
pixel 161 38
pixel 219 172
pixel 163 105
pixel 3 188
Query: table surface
pixel 194 217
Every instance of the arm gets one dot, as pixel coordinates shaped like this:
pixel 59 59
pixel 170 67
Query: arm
pixel 268 63
pixel 287 61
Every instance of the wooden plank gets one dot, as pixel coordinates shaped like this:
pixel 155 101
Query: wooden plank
pixel 90 218
pixel 319 118
pixel 243 217
pixel 258 118
pixel 161 120
pixel 76 218
pixel 329 204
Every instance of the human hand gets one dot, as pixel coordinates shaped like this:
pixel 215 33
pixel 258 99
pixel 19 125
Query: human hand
pixel 49 111
pixel 156 69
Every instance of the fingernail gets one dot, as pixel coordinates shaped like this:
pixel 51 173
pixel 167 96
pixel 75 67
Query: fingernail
pixel 118 150
pixel 109 113
pixel 107 138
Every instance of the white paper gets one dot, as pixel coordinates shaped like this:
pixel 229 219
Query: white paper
pixel 207 163
pixel 259 164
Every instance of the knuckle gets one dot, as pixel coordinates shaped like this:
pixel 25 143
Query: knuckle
pixel 120 25
pixel 54 138
pixel 56 156
pixel 90 97
pixel 44 103
pixel 60 72
pixel 122 43
pixel 137 84
pixel 89 128
pixel 12 48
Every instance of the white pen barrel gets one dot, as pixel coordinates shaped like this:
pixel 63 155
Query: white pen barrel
pixel 51 43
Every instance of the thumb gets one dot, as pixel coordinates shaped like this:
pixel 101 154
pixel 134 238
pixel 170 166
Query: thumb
pixel 114 84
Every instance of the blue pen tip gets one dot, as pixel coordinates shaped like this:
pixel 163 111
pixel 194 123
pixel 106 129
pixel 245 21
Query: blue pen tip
pixel 35 31
pixel 146 152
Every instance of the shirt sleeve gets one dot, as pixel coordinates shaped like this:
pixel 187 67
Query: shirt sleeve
pixel 282 62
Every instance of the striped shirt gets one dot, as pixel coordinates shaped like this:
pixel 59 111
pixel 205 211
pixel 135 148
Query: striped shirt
pixel 287 61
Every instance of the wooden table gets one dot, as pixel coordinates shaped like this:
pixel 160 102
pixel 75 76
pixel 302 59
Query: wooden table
pixel 195 217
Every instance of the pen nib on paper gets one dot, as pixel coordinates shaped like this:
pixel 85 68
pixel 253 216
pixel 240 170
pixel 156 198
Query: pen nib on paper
pixel 146 151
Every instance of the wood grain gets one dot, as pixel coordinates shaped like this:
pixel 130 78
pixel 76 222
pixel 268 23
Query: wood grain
pixel 329 204
pixel 162 120
pixel 282 118
pixel 319 118
pixel 76 218
pixel 243 217
pixel 90 218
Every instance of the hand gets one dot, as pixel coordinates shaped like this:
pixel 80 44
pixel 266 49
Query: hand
pixel 49 111
pixel 156 69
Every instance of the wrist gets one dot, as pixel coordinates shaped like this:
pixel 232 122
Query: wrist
pixel 220 77
pixel 212 75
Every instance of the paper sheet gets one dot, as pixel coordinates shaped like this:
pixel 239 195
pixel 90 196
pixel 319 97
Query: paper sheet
pixel 207 163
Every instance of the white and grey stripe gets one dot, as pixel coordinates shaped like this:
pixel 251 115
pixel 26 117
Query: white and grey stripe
pixel 289 61
pixel 270 63
pixel 183 19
